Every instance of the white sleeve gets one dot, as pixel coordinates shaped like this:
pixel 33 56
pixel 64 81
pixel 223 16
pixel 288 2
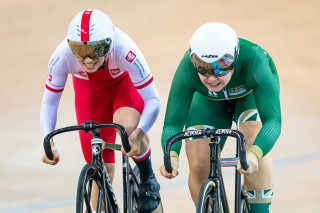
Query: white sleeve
pixel 58 68
pixel 48 113
pixel 152 105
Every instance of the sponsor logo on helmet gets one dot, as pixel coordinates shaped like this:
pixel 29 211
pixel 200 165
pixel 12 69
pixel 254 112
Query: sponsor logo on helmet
pixel 209 56
pixel 131 56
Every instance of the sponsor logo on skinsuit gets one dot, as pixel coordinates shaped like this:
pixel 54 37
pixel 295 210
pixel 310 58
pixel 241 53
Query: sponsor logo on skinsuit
pixel 212 94
pixel 52 63
pixel 131 56
pixel 82 74
pixel 139 66
pixel 115 71
pixel 237 90
pixel 49 77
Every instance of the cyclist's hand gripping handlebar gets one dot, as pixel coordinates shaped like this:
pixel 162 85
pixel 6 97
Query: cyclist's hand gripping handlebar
pixel 86 126
pixel 208 133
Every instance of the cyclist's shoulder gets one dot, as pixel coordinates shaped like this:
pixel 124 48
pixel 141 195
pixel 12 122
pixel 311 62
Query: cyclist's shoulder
pixel 251 55
pixel 62 59
pixel 122 42
pixel 63 49
pixel 125 51
pixel 185 64
pixel 248 47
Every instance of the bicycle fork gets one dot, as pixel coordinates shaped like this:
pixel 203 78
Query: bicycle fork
pixel 96 142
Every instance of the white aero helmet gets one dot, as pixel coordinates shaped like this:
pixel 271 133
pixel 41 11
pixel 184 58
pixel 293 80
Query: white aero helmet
pixel 214 48
pixel 90 34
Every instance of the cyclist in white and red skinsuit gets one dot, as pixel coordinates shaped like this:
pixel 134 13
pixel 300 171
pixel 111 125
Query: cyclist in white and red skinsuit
pixel 112 83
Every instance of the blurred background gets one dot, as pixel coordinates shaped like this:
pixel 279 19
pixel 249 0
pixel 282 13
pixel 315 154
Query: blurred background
pixel 31 30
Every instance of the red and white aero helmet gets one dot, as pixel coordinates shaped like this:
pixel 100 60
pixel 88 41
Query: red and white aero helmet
pixel 90 34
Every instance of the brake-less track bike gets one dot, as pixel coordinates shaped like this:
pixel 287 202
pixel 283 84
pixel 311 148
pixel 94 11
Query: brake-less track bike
pixel 212 195
pixel 96 172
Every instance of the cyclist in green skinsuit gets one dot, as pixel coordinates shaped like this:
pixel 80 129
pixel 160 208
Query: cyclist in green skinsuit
pixel 222 78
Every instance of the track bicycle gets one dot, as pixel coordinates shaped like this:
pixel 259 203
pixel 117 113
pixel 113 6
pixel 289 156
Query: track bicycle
pixel 212 195
pixel 96 172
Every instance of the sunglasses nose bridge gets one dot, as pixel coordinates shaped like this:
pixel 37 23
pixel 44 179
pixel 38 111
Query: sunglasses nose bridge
pixel 212 77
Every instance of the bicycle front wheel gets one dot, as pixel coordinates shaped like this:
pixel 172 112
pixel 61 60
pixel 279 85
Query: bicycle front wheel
pixel 90 177
pixel 208 200
pixel 134 193
pixel 244 206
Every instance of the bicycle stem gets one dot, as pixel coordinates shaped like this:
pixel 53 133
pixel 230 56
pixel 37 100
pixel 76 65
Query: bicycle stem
pixel 214 156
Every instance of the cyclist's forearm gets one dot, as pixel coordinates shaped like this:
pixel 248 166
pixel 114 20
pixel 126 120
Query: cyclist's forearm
pixel 49 109
pixel 150 114
pixel 48 118
pixel 167 133
pixel 266 138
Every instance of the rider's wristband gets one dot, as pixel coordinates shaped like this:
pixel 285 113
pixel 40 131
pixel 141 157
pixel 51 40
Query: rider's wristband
pixel 256 151
pixel 174 154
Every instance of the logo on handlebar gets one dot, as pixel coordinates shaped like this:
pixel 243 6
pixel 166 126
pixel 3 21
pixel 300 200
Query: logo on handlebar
pixel 193 133
pixel 223 131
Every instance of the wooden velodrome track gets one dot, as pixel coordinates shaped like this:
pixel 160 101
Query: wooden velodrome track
pixel 31 30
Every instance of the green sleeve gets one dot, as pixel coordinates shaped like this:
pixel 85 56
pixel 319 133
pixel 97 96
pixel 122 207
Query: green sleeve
pixel 266 92
pixel 179 102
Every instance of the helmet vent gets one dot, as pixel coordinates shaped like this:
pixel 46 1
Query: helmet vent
pixel 91 30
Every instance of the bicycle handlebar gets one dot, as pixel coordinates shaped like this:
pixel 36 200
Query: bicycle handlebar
pixel 86 126
pixel 206 132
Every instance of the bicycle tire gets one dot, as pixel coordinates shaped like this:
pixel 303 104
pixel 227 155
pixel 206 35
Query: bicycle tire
pixel 208 200
pixel 134 193
pixel 89 173
pixel 244 202
pixel 243 207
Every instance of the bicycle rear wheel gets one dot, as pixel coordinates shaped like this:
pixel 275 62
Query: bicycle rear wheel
pixel 134 193
pixel 208 200
pixel 89 175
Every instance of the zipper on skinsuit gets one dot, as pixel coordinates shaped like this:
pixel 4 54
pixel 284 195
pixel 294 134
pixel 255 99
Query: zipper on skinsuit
pixel 225 93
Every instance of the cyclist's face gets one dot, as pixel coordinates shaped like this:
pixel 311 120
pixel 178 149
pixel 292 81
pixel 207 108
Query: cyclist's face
pixel 91 65
pixel 213 83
